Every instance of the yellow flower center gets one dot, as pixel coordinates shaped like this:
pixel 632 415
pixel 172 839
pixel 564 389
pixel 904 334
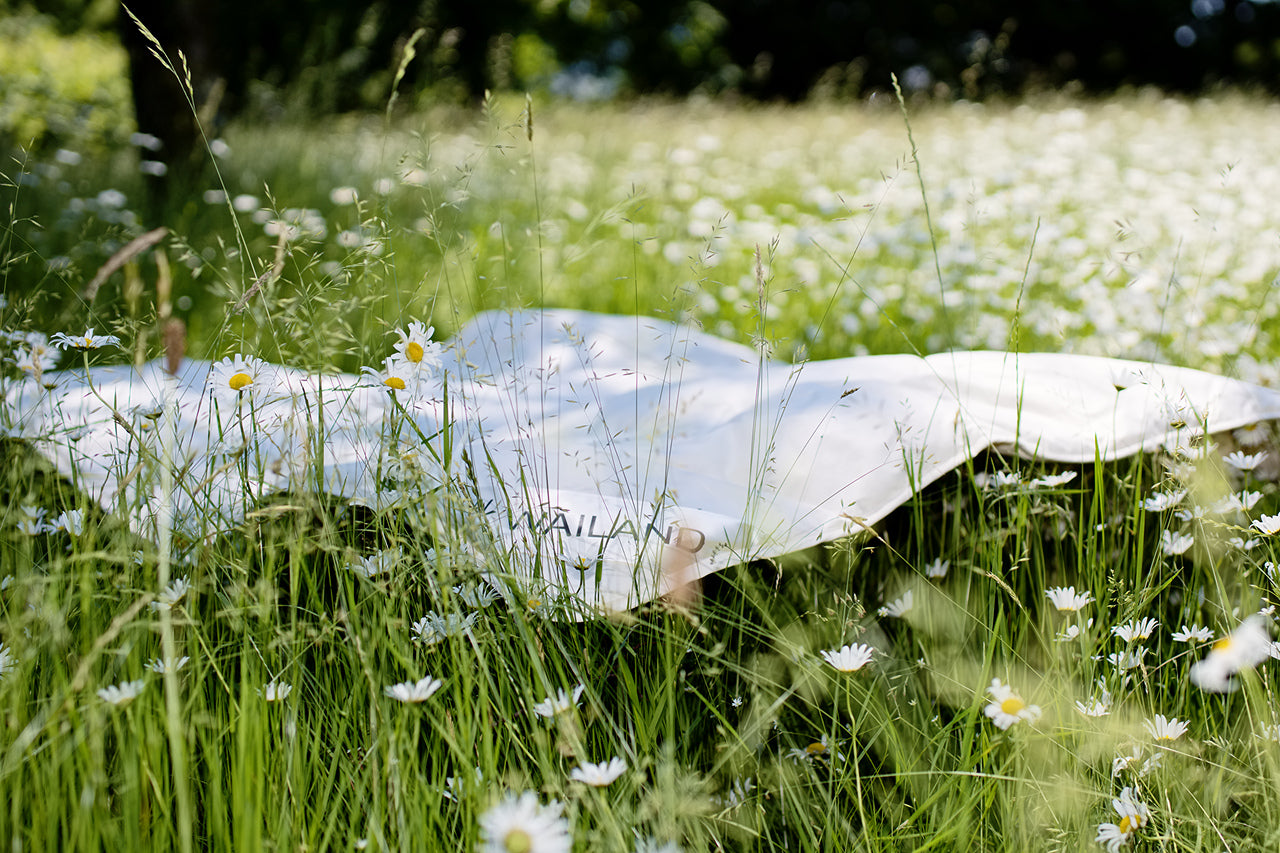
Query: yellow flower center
pixel 394 382
pixel 517 841
pixel 1222 645
pixel 1012 706
pixel 413 351
pixel 816 748
pixel 534 603
pixel 240 380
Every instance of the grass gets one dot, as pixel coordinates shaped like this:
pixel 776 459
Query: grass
pixel 1067 226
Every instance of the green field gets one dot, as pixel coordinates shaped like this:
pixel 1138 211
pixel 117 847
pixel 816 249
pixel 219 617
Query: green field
pixel 1136 226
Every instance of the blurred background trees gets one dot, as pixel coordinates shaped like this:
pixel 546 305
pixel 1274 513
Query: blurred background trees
pixel 319 57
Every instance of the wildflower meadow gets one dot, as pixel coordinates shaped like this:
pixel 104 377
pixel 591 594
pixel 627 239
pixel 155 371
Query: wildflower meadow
pixel 1023 657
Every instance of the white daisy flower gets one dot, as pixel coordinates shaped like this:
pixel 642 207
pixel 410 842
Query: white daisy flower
pixel 1193 634
pixel 1127 660
pixel 1245 461
pixel 1096 708
pixel 479 596
pixel 522 825
pixel 31 519
pixel 457 786
pixel 1071 632
pixel 1267 524
pixel 900 606
pixel 71 521
pixel 238 376
pixel 433 627
pixel 1161 728
pixel 1162 501
pixel 1007 707
pixel 937 569
pixel 1248 499
pixel 414 692
pixel 123 693
pixel 1053 481
pixel 820 749
pixel 849 658
pixel 172 594
pixel 1135 629
pixel 1244 648
pixel 1066 599
pixel 416 347
pixel 160 667
pixel 377 563
pixel 88 340
pixel 1175 543
pixel 395 376
pixel 1252 435
pixel 598 775
pixel 276 691
pixel 1133 816
pixel 7 660
pixel 561 702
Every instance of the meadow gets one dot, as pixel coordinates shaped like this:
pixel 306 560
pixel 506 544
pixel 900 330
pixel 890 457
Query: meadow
pixel 1004 664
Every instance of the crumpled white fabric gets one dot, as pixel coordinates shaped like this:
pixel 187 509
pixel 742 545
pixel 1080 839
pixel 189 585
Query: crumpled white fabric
pixel 617 458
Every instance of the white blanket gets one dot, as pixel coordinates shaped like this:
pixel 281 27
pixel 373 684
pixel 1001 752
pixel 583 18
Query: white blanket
pixel 616 458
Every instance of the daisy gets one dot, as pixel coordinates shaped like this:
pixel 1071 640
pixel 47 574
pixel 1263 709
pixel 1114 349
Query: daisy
pixel 1133 816
pixel 172 594
pixel 417 348
pixel 1052 481
pixel 1071 632
pixel 522 825
pixel 1007 708
pixel 395 376
pixel 1268 524
pixel 1161 501
pixel 1248 499
pixel 276 691
pixel 160 667
pixel 1066 599
pixel 849 658
pixel 937 569
pixel 71 521
pixel 1135 629
pixel 123 693
pixel 433 627
pixel 819 749
pixel 1253 435
pixel 899 607
pixel 1165 729
pixel 1127 660
pixel 237 376
pixel 1175 543
pixel 1242 461
pixel 599 775
pixel 1096 708
pixel 86 341
pixel 479 596
pixel 31 519
pixel 559 703
pixel 1244 648
pixel 414 692
pixel 377 563
pixel 7 659
pixel 1193 634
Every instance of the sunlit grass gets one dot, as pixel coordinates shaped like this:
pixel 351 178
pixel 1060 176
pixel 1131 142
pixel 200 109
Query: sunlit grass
pixel 1135 227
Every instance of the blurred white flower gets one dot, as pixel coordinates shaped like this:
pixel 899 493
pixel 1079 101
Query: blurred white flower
pixel 1066 599
pixel 1162 728
pixel 1267 524
pixel 849 658
pixel 523 825
pixel 86 341
pixel 159 666
pixel 1135 629
pixel 1193 634
pixel 1162 501
pixel 414 692
pixel 1007 707
pixel 71 521
pixel 433 627
pixel 123 693
pixel 820 749
pixel 1053 481
pixel 598 775
pixel 276 691
pixel 1127 660
pixel 1133 816
pixel 1244 462
pixel 479 596
pixel 900 606
pixel 171 594
pixel 7 659
pixel 1175 543
pixel 31 519
pixel 559 703
pixel 937 569
pixel 377 563
pixel 1244 648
